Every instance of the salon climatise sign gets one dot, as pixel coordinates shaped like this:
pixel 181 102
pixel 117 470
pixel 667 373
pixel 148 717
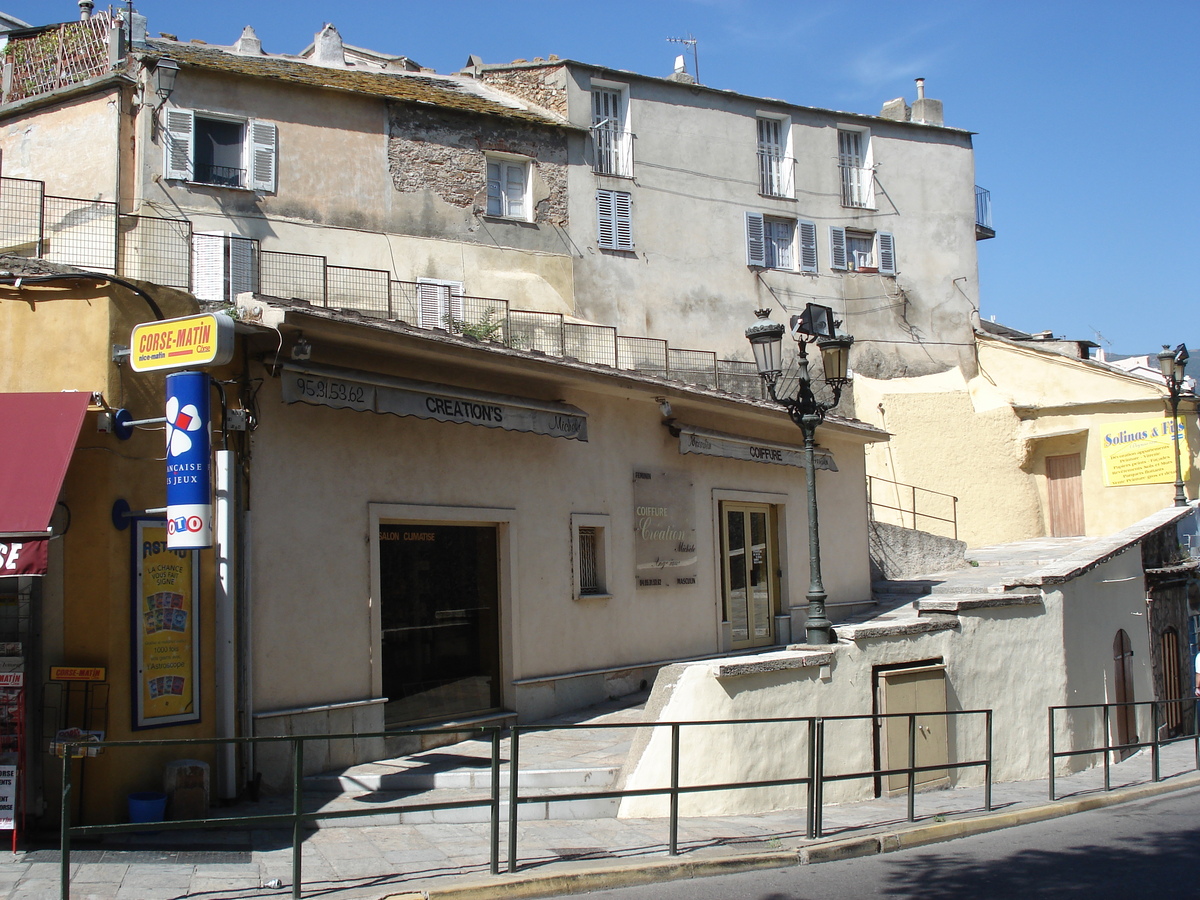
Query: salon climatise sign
pixel 166 642
pixel 664 524
pixel 1143 452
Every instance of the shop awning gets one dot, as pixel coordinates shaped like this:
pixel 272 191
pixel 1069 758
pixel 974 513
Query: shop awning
pixel 39 431
pixel 365 391
pixel 735 446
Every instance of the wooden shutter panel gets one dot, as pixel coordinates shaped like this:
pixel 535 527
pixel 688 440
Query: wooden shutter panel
pixel 430 310
pixel 243 266
pixel 606 232
pixel 514 191
pixel 887 253
pixel 208 267
pixel 808 246
pixel 837 247
pixel 178 144
pixel 263 141
pixel 623 219
pixel 756 241
pixel 455 299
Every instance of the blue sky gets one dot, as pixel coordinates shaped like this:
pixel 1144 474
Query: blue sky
pixel 1085 113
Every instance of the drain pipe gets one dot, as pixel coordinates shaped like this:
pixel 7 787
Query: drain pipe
pixel 225 510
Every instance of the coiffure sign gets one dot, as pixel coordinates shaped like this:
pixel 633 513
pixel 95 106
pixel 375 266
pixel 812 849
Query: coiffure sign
pixel 189 477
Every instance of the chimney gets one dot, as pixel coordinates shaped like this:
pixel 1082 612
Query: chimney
pixel 85 9
pixel 328 50
pixel 681 73
pixel 248 44
pixel 926 112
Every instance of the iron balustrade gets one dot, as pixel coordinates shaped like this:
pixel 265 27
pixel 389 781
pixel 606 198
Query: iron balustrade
pixel 1109 747
pixel 983 208
pixel 814 780
pixel 612 147
pixel 911 509
pixel 858 184
pixel 776 174
pixel 221 176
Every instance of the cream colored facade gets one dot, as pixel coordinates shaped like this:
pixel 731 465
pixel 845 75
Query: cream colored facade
pixel 986 440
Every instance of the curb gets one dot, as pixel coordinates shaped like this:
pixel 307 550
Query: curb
pixel 598 878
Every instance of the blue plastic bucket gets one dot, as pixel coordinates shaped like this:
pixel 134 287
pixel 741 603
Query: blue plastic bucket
pixel 147 806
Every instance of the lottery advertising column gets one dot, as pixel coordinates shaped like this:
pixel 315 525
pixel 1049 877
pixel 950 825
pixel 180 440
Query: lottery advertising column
pixel 189 464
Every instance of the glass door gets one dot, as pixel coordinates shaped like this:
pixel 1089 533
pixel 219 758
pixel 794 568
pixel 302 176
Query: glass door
pixel 749 573
pixel 439 610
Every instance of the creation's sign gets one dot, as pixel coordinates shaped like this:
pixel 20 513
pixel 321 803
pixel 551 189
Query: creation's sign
pixel 167 648
pixel 401 397
pixel 732 446
pixel 205 340
pixel 1143 452
pixel 664 526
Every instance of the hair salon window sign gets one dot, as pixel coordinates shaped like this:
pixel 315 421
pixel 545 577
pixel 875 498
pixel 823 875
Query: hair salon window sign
pixel 664 525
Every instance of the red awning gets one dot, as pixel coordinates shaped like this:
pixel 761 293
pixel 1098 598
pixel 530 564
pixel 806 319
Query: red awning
pixel 37 438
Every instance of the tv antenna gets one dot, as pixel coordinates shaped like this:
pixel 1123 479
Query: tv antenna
pixel 692 44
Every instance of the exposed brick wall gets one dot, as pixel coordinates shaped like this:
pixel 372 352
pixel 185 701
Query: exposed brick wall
pixel 544 87
pixel 432 150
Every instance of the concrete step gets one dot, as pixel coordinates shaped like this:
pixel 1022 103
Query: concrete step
pixel 375 779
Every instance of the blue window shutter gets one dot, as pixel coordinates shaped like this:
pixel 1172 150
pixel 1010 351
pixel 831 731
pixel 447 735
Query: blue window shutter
pixel 887 253
pixel 756 240
pixel 606 229
pixel 623 219
pixel 837 247
pixel 808 246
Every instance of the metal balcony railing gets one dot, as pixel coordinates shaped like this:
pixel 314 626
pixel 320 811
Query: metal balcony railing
pixel 776 174
pixel 858 186
pixel 612 151
pixel 909 506
pixel 225 176
pixel 983 214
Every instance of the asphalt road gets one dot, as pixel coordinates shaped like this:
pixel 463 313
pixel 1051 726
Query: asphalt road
pixel 1146 849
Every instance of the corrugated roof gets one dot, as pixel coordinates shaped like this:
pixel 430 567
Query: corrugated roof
pixel 457 93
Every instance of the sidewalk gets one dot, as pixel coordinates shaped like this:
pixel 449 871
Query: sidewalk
pixel 441 860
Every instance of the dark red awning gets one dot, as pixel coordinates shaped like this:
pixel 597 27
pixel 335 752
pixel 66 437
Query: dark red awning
pixel 37 437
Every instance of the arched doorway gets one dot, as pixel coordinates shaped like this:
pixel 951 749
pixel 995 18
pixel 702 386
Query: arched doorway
pixel 1126 716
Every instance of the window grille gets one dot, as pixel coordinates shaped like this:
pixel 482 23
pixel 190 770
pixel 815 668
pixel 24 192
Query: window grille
pixel 589 561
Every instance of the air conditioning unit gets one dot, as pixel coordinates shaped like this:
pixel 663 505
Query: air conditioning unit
pixel 223 266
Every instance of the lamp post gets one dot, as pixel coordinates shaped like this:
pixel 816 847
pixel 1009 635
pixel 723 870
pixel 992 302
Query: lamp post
pixel 766 339
pixel 1172 363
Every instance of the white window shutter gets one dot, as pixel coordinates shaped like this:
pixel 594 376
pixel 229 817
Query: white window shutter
pixel 263 150
pixel 837 247
pixel 456 299
pixel 208 267
pixel 623 219
pixel 243 266
pixel 431 306
pixel 887 253
pixel 808 246
pixel 756 240
pixel 606 232
pixel 177 144
pixel 515 191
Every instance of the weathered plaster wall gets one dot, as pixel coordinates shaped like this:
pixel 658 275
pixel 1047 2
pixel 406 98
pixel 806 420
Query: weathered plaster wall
pixel 1068 642
pixel 72 147
pixel 316 603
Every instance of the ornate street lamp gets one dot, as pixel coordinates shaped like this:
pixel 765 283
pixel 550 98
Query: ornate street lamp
pixel 766 339
pixel 1172 363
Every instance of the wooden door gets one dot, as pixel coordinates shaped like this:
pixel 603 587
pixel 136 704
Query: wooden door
pixel 1124 716
pixel 921 689
pixel 1064 485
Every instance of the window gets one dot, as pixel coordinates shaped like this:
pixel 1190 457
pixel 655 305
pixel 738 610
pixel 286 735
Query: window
pixel 223 266
pixel 220 150
pixel 862 251
pixel 612 143
pixel 589 554
pixel 856 167
pixel 774 165
pixel 771 243
pixel 508 188
pixel 614 219
pixel 438 303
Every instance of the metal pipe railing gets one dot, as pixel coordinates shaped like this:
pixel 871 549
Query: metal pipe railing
pixel 1109 747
